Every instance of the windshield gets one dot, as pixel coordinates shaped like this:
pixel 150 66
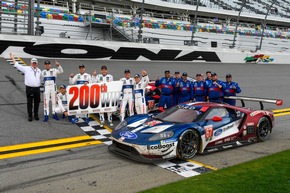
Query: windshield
pixel 179 115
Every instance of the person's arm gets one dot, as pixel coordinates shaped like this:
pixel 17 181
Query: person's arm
pixel 16 64
pixel 94 77
pixel 238 89
pixel 72 78
pixel 59 68
pixel 59 102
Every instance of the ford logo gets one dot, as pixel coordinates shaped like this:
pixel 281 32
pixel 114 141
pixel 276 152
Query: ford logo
pixel 128 135
pixel 218 132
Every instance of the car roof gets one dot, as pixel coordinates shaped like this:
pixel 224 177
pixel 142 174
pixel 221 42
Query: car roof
pixel 211 104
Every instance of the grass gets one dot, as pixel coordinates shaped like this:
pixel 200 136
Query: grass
pixel 267 174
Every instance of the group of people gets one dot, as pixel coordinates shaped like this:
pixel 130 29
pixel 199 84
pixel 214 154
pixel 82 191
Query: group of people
pixel 173 90
pixel 179 89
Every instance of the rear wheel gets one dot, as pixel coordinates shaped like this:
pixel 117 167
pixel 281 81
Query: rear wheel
pixel 188 144
pixel 264 129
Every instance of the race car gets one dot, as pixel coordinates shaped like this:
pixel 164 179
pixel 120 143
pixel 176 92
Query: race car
pixel 187 129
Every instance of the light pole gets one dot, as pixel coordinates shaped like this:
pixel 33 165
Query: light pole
pixel 194 22
pixel 237 23
pixel 264 23
pixel 141 22
pixel 38 32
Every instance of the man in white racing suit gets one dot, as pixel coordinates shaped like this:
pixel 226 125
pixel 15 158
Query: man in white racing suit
pixel 100 78
pixel 81 78
pixel 139 92
pixel 127 93
pixel 49 78
pixel 61 107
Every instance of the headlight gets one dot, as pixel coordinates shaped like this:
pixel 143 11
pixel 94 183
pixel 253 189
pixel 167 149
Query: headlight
pixel 121 124
pixel 160 136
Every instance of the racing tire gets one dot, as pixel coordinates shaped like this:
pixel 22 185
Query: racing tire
pixel 263 129
pixel 188 144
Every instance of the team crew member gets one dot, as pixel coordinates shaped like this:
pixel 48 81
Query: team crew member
pixel 32 81
pixel 208 78
pixel 215 89
pixel 81 78
pixel 62 103
pixel 176 90
pixel 199 88
pixel 139 92
pixel 127 94
pixel 231 88
pixel 167 85
pixel 49 78
pixel 185 87
pixel 101 78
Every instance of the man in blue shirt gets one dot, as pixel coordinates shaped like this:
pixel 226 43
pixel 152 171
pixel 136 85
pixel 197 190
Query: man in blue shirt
pixel 231 89
pixel 215 89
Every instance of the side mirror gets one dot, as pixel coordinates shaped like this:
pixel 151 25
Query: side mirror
pixel 216 119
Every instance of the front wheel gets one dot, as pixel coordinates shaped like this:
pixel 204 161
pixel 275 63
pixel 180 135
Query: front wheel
pixel 188 144
pixel 264 129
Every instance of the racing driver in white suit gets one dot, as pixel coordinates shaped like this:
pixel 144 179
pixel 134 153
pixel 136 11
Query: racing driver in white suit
pixel 139 92
pixel 100 78
pixel 49 77
pixel 61 107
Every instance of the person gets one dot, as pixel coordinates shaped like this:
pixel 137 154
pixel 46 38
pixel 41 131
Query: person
pixel 100 78
pixel 139 92
pixel 81 78
pixel 49 78
pixel 176 91
pixel 231 89
pixel 61 107
pixel 167 85
pixel 199 87
pixel 215 89
pixel 32 82
pixel 208 78
pixel 185 87
pixel 127 94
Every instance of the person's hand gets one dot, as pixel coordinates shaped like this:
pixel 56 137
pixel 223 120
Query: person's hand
pixel 178 84
pixel 144 73
pixel 86 83
pixel 65 113
pixel 234 87
pixel 11 56
pixel 71 75
pixel 56 63
pixel 95 73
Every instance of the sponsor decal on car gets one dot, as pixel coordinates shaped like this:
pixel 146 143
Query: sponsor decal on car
pixel 164 146
pixel 218 142
pixel 208 130
pixel 153 123
pixel 163 142
pixel 250 124
pixel 254 113
pixel 128 135
pixel 225 128
pixel 212 150
pixel 218 132
pixel 230 139
pixel 227 146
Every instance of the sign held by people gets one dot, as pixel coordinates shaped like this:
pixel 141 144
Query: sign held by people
pixel 93 98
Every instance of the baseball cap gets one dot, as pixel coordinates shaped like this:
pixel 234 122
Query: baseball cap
pixel 137 76
pixel 46 62
pixel 104 67
pixel 34 60
pixel 184 74
pixel 198 75
pixel 62 86
pixel 208 72
pixel 213 74
pixel 176 72
pixel 228 76
pixel 81 66
pixel 167 71
pixel 127 71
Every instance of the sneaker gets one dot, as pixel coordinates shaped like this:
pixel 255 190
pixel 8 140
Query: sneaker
pixel 29 119
pixel 102 124
pixel 36 117
pixel 54 116
pixel 87 120
pixel 45 118
pixel 75 120
pixel 111 124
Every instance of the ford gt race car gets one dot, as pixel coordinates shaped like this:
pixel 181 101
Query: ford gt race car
pixel 187 129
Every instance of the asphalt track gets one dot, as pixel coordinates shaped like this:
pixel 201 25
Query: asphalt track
pixel 93 168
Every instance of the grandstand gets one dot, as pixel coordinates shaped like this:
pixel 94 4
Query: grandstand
pixel 168 22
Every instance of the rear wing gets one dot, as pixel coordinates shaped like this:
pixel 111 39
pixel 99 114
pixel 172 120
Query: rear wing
pixel 278 102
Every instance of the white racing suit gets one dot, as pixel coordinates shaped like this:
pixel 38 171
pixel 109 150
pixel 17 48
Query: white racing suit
pixel 61 103
pixel 81 79
pixel 49 78
pixel 100 79
pixel 139 93
pixel 128 97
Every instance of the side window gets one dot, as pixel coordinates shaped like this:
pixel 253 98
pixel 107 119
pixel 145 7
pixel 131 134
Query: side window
pixel 221 112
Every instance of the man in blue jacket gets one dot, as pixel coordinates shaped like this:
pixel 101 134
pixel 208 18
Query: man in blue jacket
pixel 166 84
pixel 176 91
pixel 215 89
pixel 231 89
pixel 199 88
pixel 185 87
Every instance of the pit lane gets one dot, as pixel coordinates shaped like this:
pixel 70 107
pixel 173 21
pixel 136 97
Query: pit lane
pixel 94 169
